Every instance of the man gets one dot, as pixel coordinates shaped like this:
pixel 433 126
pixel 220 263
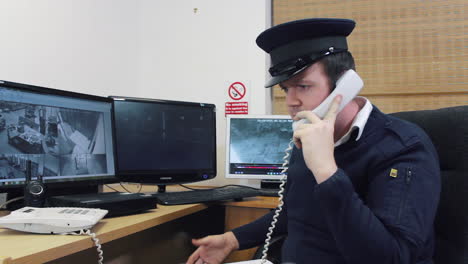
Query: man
pixel 362 187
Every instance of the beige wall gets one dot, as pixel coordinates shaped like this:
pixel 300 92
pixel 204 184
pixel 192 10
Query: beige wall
pixel 411 54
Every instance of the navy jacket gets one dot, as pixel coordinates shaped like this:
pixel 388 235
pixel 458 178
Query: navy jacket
pixel 379 207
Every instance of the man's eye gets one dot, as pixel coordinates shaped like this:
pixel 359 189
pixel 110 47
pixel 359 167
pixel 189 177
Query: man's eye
pixel 303 87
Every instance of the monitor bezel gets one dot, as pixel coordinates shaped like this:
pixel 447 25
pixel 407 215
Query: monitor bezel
pixel 165 177
pixel 76 182
pixel 228 148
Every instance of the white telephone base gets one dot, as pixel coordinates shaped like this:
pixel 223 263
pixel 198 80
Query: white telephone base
pixel 53 220
pixel 255 261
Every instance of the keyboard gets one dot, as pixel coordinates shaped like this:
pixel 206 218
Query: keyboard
pixel 208 195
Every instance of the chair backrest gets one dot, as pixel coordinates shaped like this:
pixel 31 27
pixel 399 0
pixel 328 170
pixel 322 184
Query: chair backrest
pixel 448 130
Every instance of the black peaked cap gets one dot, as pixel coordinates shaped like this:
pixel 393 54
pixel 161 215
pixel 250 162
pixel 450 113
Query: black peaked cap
pixel 295 45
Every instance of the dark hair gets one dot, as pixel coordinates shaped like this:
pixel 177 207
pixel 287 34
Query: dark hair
pixel 336 64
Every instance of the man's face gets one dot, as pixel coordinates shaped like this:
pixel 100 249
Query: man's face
pixel 306 90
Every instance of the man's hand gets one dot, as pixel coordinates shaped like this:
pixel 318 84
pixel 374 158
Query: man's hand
pixel 213 249
pixel 317 141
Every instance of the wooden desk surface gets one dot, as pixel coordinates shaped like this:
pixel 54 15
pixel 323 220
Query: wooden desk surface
pixel 19 247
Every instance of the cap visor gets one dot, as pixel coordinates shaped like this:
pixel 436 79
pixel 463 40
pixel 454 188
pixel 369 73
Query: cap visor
pixel 283 77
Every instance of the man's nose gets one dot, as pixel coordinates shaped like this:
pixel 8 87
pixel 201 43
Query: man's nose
pixel 291 98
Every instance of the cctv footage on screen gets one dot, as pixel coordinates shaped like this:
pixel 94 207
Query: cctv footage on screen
pixel 61 142
pixel 258 141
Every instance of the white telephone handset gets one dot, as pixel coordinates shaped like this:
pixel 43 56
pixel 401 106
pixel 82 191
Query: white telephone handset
pixel 349 85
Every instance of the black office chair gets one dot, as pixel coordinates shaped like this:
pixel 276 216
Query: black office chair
pixel 274 250
pixel 448 130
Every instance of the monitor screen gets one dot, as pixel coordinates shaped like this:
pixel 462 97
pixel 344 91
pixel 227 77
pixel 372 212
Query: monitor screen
pixel 255 146
pixel 67 136
pixel 164 142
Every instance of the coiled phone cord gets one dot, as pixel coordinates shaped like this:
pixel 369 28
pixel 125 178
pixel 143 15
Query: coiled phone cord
pixel 95 240
pixel 280 201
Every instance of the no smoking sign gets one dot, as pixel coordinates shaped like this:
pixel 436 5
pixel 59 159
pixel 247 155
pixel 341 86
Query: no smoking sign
pixel 236 92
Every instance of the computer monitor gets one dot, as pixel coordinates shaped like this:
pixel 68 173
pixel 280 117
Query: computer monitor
pixel 255 146
pixel 164 142
pixel 67 137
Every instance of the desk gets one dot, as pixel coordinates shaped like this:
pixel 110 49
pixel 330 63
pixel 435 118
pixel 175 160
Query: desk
pixel 160 235
pixel 244 212
pixel 18 247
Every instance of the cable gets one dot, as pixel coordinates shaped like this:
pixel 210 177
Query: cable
pixel 139 189
pixel 95 240
pixel 190 188
pixel 10 201
pixel 121 185
pixel 280 202
pixel 108 186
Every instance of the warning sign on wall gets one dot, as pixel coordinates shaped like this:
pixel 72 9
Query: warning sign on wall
pixel 237 108
pixel 236 92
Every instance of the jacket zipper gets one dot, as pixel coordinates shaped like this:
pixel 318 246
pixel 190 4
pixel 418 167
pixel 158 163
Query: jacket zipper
pixel 408 176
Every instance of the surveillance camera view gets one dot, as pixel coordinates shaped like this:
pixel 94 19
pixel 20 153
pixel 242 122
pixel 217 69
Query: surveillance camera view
pixel 59 141
pixel 259 140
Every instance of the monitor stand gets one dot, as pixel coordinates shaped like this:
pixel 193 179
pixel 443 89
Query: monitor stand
pixel 270 184
pixel 270 187
pixel 161 188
